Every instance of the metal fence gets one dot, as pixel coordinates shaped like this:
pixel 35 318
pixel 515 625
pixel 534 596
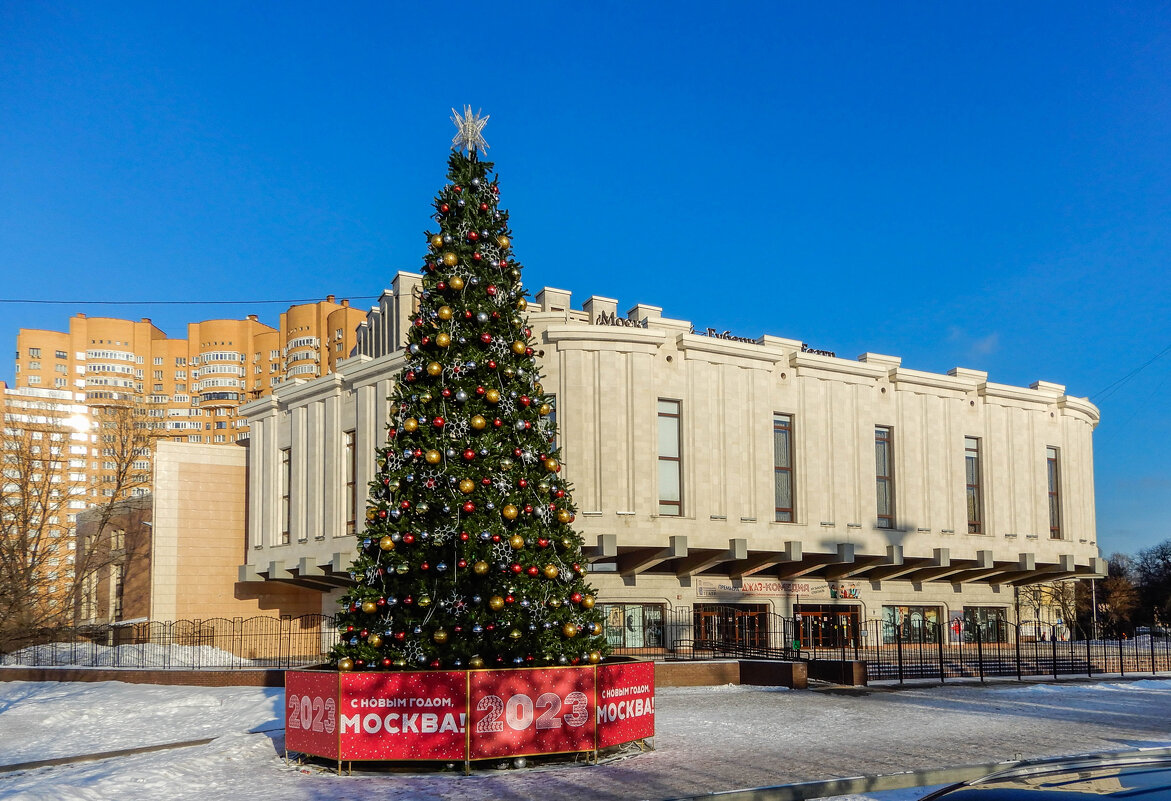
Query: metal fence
pixel 928 651
pixel 213 644
pixel 932 651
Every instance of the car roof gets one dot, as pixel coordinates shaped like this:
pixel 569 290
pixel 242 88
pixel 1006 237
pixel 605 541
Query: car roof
pixel 1138 774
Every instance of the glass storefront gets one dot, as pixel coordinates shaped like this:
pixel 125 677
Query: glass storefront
pixel 989 623
pixel 911 623
pixel 633 625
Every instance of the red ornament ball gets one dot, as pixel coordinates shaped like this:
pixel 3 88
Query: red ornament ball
pixel 469 507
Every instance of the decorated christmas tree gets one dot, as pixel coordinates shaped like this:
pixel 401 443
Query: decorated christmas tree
pixel 468 558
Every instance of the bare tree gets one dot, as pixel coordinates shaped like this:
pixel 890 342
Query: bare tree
pixel 52 470
pixel 37 498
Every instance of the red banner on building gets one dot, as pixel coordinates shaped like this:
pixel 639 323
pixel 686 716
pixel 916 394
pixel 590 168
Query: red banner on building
pixel 311 712
pixel 403 715
pixel 626 702
pixel 535 711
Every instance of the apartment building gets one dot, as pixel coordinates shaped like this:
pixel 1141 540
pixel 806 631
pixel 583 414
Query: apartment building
pixel 119 386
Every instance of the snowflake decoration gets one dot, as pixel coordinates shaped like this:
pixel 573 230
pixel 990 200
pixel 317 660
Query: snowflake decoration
pixel 442 534
pixel 501 552
pixel 491 253
pixel 372 573
pixel 528 457
pixel 544 513
pixel 457 428
pixel 507 406
pixel 498 347
pixel 502 298
pixel 502 483
pixel 469 130
pixel 431 479
pixel 412 651
pixel 457 603
pixel 394 461
pixel 538 612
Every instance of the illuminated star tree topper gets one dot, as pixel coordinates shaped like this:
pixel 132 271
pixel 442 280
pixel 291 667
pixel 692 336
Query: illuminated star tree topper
pixel 469 136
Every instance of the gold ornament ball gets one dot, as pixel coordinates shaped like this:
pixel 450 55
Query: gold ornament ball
pixel 551 465
pixel 424 601
pixel 374 640
pixel 554 603
pixel 537 387
pixel 551 571
pixel 495 603
pixel 345 664
pixel 402 570
pixel 410 424
pixel 369 607
pixel 445 313
pixel 386 543
pixel 567 543
pixel 456 283
pixel 544 409
pixel 516 541
pixel 522 304
pixel 437 240
pixel 587 601
pixel 503 241
pixel 507 463
pixel 492 396
pixel 564 516
pixel 510 512
pixel 466 485
pixel 443 339
pixel 370 514
pixel 476 662
pixel 400 663
pixel 434 368
pixel 440 636
pixel 480 568
pixel 478 422
pixel 450 259
pixel 569 630
pixel 544 487
pixel 515 634
pixel 425 397
pixel 509 372
pixel 594 657
pixel 518 347
pixel 433 457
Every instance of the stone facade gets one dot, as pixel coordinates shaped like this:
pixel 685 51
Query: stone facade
pixel 729 536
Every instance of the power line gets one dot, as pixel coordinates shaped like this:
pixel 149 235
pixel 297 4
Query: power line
pixel 1106 392
pixel 173 302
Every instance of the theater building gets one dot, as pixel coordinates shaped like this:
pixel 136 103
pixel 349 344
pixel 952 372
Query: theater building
pixel 718 471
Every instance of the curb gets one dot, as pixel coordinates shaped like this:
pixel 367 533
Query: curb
pixel 145 749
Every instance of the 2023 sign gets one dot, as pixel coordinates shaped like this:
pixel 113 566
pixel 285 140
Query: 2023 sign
pixel 519 710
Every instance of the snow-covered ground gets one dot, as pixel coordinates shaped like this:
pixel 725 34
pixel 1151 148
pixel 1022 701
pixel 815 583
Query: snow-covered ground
pixel 144 655
pixel 708 739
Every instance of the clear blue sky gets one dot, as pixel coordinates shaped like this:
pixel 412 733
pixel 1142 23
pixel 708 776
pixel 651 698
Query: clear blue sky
pixel 985 185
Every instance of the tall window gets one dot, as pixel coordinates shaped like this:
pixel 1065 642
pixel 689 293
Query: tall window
pixel 884 474
pixel 286 480
pixel 350 468
pixel 975 495
pixel 1054 475
pixel 670 459
pixel 783 466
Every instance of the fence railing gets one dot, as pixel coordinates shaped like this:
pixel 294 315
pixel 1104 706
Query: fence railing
pixel 891 653
pixel 934 651
pixel 213 644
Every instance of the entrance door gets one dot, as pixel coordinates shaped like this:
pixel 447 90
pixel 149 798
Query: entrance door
pixel 828 625
pixel 734 624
